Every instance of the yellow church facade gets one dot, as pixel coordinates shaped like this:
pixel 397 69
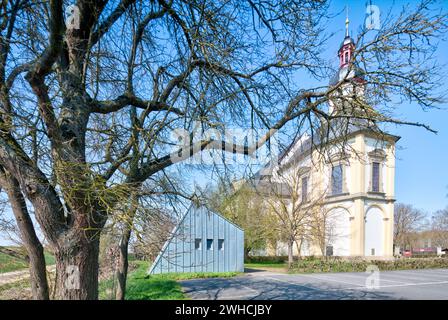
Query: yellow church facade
pixel 352 189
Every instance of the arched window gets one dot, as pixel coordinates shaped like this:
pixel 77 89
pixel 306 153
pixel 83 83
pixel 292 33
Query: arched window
pixel 346 57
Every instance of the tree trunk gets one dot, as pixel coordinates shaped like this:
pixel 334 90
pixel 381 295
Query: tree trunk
pixel 123 264
pixel 246 253
pixel 77 269
pixel 122 270
pixel 299 248
pixel 33 246
pixel 290 254
pixel 38 272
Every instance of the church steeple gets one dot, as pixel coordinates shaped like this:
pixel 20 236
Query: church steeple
pixel 348 68
pixel 347 48
pixel 349 73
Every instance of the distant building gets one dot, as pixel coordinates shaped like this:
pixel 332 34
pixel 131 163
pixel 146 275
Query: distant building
pixel 202 241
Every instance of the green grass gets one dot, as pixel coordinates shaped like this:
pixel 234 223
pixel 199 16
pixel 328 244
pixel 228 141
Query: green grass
pixel 194 275
pixel 141 286
pixel 9 263
pixel 49 258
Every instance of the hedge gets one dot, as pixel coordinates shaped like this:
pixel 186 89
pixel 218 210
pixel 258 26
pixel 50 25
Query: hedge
pixel 309 265
pixel 266 259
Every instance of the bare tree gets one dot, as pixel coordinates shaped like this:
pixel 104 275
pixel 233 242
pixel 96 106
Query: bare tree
pixel 87 106
pixel 294 207
pixel 154 227
pixel 244 207
pixel 407 220
pixel 439 228
pixel 323 226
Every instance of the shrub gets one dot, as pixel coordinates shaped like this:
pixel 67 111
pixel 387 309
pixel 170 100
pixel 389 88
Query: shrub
pixel 334 264
pixel 266 259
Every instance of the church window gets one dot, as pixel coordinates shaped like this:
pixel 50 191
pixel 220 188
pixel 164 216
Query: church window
pixel 375 177
pixel 304 189
pixel 336 179
pixel 346 57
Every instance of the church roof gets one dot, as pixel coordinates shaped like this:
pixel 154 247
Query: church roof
pixel 340 128
pixel 347 40
pixel 356 72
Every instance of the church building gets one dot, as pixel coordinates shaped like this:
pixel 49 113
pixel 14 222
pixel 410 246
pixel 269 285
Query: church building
pixel 348 168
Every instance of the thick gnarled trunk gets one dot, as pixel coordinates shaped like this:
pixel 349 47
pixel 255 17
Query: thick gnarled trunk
pixel 77 270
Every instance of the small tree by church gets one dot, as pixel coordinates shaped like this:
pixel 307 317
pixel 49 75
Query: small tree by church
pixel 244 207
pixel 292 198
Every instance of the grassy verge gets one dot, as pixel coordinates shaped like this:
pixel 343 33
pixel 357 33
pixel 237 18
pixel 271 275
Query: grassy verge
pixel 310 265
pixel 140 286
pixel 9 263
pixel 19 290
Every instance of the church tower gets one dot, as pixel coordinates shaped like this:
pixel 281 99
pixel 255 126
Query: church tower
pixel 347 48
pixel 349 77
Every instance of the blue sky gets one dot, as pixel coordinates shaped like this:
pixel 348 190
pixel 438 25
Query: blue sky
pixel 422 156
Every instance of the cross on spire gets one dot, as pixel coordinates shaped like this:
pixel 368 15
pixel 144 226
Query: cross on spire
pixel 347 22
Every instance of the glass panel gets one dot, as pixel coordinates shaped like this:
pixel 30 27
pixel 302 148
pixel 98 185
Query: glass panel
pixel 209 244
pixel 375 177
pixel 198 244
pixel 220 244
pixel 336 179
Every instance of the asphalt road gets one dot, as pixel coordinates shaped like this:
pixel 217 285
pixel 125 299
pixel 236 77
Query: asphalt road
pixel 410 284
